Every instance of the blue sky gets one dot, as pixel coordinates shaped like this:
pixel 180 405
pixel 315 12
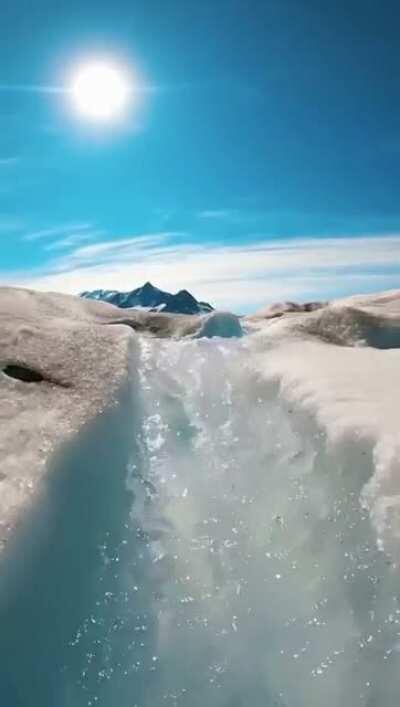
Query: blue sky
pixel 262 161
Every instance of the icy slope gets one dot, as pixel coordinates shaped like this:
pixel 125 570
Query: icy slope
pixel 61 364
pixel 78 368
pixel 268 585
pixel 227 534
pixel 334 364
pixel 233 564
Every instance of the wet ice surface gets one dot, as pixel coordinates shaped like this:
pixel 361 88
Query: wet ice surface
pixel 244 571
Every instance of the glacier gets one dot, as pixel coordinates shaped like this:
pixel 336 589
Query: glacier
pixel 200 520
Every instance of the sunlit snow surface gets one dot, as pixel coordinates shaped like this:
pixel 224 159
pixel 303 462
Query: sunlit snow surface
pixel 240 569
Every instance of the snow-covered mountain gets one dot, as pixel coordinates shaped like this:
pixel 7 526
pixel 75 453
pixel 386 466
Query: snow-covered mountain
pixel 153 299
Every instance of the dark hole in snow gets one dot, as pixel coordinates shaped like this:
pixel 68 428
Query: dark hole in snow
pixel 23 374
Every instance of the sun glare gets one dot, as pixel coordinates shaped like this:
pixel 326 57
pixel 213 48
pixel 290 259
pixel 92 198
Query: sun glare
pixel 100 91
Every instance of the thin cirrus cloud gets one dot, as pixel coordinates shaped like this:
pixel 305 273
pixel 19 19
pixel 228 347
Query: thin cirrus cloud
pixel 71 241
pixel 57 231
pixel 134 248
pixel 230 276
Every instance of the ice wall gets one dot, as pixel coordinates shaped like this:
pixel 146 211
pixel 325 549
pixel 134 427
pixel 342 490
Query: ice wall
pixel 53 573
pixel 270 587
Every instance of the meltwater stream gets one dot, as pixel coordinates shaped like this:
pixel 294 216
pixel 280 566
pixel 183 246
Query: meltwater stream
pixel 240 569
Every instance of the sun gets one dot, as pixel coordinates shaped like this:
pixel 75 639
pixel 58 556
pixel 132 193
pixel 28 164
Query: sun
pixel 100 91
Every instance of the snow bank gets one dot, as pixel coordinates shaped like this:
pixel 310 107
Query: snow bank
pixel 342 365
pixel 79 368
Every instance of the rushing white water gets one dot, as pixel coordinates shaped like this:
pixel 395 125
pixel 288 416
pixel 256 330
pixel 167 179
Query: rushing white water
pixel 248 573
pixel 231 565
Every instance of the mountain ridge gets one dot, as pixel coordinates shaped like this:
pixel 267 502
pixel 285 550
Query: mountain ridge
pixel 151 298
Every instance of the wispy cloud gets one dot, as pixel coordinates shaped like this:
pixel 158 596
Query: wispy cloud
pixel 72 241
pixel 237 276
pixel 55 231
pixel 133 248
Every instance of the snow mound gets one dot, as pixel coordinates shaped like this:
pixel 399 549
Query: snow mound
pixel 372 320
pixel 59 368
pixel 278 309
pixel 351 326
pixel 341 365
pixel 222 324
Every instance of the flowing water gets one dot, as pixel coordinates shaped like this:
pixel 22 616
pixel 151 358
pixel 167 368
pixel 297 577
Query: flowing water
pixel 238 568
